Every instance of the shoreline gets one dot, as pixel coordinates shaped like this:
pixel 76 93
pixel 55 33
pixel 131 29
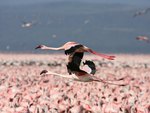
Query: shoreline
pixel 55 59
pixel 58 54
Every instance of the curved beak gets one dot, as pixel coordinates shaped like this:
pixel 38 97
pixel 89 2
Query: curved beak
pixel 38 47
pixel 43 72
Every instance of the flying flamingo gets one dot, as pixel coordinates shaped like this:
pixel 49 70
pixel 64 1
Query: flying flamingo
pixel 142 12
pixel 78 74
pixel 75 52
pixel 143 38
pixel 73 65
pixel 73 47
pixel 81 76
pixel 89 66
pixel 28 24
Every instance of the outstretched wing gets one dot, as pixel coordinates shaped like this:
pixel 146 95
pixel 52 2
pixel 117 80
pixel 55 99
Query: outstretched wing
pixel 91 66
pixel 73 49
pixel 74 59
pixel 74 62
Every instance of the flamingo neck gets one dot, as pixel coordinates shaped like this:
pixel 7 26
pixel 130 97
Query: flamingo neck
pixel 54 48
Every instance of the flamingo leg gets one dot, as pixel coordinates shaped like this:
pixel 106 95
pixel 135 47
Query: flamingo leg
pixel 102 55
pixel 106 82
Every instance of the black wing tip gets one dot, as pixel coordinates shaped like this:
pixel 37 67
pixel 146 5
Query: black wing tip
pixel 88 62
pixel 91 65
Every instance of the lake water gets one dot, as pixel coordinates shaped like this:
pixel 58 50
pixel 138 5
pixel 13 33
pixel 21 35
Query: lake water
pixel 105 27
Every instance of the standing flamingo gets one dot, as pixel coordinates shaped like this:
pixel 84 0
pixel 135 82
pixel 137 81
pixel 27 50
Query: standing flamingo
pixel 72 47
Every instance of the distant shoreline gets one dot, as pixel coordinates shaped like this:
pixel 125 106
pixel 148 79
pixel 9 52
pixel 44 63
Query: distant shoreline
pixel 61 52
pixel 121 57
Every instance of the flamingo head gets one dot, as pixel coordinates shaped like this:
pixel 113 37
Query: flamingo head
pixel 41 47
pixel 44 72
pixel 138 38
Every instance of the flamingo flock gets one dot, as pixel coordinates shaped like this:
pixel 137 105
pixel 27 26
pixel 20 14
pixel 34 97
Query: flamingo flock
pixel 23 90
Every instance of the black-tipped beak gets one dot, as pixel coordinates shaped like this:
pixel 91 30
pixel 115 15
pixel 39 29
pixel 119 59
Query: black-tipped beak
pixel 38 47
pixel 137 38
pixel 43 72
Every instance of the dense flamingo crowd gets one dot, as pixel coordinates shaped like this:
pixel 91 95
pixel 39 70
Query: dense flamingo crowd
pixel 24 90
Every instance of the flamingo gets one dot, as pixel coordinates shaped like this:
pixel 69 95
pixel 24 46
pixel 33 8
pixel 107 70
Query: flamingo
pixel 143 38
pixel 28 24
pixel 77 73
pixel 138 13
pixel 75 52
pixel 73 47
pixel 80 76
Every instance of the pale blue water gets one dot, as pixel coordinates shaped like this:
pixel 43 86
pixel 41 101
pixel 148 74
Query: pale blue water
pixel 105 27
